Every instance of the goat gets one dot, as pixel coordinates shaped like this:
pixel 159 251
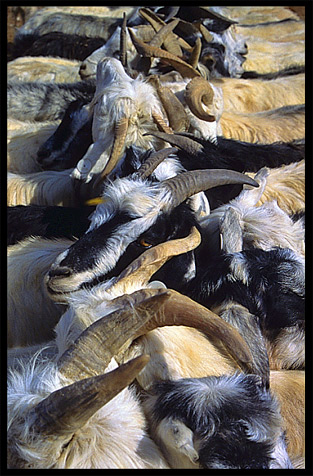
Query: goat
pixel 135 214
pixel 196 153
pixel 59 442
pixel 23 141
pixel 45 101
pixel 28 262
pixel 217 423
pixel 43 68
pixel 254 95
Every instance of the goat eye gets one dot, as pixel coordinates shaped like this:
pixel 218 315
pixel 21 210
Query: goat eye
pixel 145 243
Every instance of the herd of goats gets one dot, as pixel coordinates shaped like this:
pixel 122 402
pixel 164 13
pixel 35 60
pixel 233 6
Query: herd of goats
pixel 156 225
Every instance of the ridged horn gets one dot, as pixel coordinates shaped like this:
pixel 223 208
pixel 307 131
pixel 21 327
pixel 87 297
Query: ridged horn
pixel 92 351
pixel 117 147
pixel 186 184
pixel 151 163
pixel 175 111
pixel 149 51
pixel 164 32
pixel 198 92
pixel 160 122
pixel 69 409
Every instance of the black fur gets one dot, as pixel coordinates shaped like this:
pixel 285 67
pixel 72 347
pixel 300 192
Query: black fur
pixel 46 221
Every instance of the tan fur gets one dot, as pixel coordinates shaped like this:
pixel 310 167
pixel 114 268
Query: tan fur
pixel 30 312
pixel 264 127
pixel 40 188
pixel 289 387
pixel 107 11
pixel 257 14
pixel 177 352
pixel 23 142
pixel 287 350
pixel 254 95
pixel 286 185
pixel 265 63
pixel 44 68
pixel 272 32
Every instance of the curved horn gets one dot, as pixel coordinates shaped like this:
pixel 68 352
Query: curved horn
pixel 177 117
pixel 106 337
pixel 117 147
pixel 146 169
pixel 148 263
pixel 186 184
pixel 199 91
pixel 189 145
pixel 69 409
pixel 123 51
pixel 195 54
pixel 181 66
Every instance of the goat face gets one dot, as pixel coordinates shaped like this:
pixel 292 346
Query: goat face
pixel 236 424
pixel 134 211
pixel 133 218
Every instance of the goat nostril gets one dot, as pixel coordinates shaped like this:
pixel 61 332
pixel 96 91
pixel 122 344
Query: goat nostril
pixel 60 271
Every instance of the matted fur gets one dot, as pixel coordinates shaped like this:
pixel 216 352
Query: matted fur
pixel 44 68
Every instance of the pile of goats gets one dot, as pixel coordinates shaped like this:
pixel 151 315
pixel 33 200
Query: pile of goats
pixel 156 225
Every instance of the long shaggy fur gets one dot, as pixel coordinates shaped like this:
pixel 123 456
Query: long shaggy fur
pixel 254 95
pixel 277 125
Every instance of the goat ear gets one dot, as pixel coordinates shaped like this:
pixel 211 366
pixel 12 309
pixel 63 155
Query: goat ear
pixel 231 231
pixel 248 327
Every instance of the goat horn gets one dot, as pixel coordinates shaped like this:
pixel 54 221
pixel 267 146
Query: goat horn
pixel 185 69
pixel 164 32
pixel 92 351
pixel 146 169
pixel 69 409
pixel 199 91
pixel 118 144
pixel 186 184
pixel 148 263
pixel 195 53
pixel 186 143
pixel 160 122
pixel 177 116
pixel 123 51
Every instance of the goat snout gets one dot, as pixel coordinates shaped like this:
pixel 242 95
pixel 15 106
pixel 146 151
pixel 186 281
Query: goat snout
pixel 60 271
